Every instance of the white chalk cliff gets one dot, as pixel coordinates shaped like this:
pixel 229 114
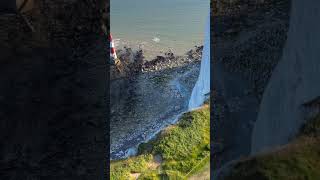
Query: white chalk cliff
pixel 295 81
pixel 202 86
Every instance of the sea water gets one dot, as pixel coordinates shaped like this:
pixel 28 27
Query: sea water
pixel 157 26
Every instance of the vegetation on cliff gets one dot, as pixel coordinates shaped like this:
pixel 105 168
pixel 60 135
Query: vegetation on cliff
pixel 177 152
pixel 298 160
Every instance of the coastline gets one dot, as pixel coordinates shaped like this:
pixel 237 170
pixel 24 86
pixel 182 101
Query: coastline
pixel 168 80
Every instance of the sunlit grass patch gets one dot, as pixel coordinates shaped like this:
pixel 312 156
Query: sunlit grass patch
pixel 184 149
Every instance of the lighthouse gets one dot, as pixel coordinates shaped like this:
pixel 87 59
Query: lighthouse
pixel 113 54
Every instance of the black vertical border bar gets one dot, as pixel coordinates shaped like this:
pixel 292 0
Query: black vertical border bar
pixel 107 94
pixel 212 115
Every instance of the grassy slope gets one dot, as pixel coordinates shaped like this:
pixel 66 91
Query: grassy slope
pixel 184 148
pixel 298 160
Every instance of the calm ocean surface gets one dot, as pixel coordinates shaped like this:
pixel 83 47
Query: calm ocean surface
pixel 158 25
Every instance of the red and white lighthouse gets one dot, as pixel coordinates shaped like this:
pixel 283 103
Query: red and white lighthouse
pixel 113 54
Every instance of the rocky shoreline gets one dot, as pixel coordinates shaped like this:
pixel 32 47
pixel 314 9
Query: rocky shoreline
pixel 151 98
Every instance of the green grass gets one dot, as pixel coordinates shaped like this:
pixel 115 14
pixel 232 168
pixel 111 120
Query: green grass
pixel 123 168
pixel 184 148
pixel 299 160
pixel 167 175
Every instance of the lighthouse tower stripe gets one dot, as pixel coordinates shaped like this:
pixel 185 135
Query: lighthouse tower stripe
pixel 113 53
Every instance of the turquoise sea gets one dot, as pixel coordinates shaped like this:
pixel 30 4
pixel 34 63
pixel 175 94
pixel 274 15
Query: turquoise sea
pixel 158 25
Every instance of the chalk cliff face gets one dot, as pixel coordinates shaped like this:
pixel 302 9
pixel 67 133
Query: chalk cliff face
pixel 202 86
pixel 247 43
pixel 294 82
pixel 53 91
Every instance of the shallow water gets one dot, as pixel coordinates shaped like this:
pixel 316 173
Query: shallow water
pixel 157 26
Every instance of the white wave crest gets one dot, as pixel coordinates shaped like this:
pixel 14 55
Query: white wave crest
pixel 156 39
